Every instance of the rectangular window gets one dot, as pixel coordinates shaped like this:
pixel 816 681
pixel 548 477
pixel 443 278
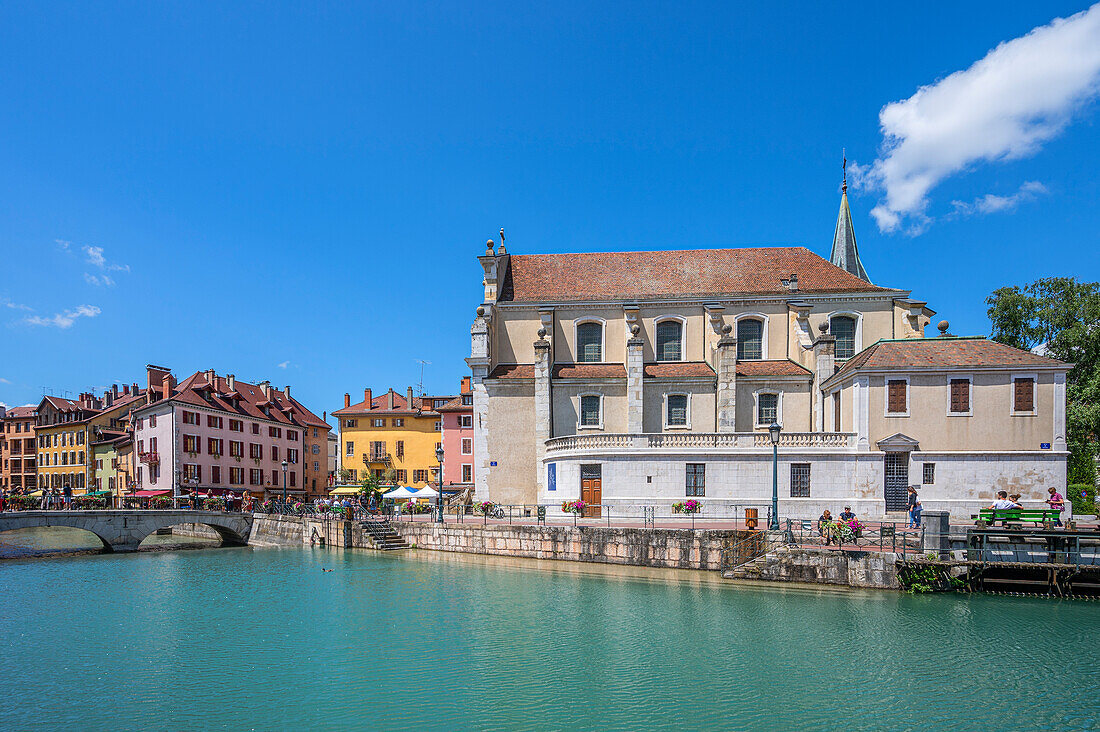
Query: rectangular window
pixel 214 446
pixel 696 479
pixel 438 426
pixel 152 420
pixel 402 476
pixel 275 453
pixel 274 477
pixel 292 435
pixel 897 401
pixel 191 444
pixel 800 480
pixel 1023 395
pixel 379 423
pixel 190 417
pixel 590 343
pixel 350 449
pixel 929 474
pixel 590 411
pixel 960 396
pixel 377 450
pixel 400 449
pixel 467 400
pixel 420 476
pixel 467 446
pixel 236 449
pixel 236 476
pixel 212 421
pixel 291 455
pixel 465 421
pixel 467 473
pixel 351 423
pixel 192 472
pixel 399 422
pixel 767 409
pixel 836 411
pixel 256 452
pixel 677 415
pixel 215 474
pixel 255 476
pixel 236 425
pixel 255 428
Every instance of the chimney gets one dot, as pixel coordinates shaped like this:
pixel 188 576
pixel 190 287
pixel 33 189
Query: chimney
pixel 390 395
pixel 114 390
pixel 286 390
pixel 409 398
pixel 109 398
pixel 265 387
pixel 167 386
pixel 134 389
pixel 209 375
pixel 367 398
pixel 126 389
pixel 347 400
pixel 231 382
pixel 465 386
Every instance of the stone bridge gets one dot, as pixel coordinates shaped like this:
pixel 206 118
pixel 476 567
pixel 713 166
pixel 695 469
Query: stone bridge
pixel 122 531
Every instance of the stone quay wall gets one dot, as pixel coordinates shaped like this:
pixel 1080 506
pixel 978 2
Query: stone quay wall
pixel 822 566
pixel 676 548
pixel 275 530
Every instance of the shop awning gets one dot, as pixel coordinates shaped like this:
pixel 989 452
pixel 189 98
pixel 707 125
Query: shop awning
pixel 345 490
pixel 99 493
pixel 146 494
pixel 36 494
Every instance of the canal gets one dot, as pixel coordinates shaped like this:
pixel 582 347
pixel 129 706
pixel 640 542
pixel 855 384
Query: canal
pixel 321 639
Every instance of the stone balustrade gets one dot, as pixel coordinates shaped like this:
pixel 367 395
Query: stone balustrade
pixel 623 442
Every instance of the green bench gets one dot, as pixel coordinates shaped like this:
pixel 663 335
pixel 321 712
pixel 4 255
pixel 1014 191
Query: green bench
pixel 1038 516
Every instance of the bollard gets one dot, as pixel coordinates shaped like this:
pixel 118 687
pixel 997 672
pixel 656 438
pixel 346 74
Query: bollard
pixel 937 528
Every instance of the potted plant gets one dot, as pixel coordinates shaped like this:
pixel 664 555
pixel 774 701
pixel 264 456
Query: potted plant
pixel 485 507
pixel 577 506
pixel 689 506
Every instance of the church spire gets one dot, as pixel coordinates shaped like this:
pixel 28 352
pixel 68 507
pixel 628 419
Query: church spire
pixel 845 254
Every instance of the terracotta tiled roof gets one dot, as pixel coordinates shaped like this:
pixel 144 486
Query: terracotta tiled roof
pixel 513 371
pixel 942 353
pixel 381 405
pixel 250 397
pixel 590 371
pixel 455 405
pixel 677 370
pixel 771 368
pixel 20 412
pixel 672 274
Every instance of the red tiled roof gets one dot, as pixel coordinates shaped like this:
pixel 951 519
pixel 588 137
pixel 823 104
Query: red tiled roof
pixel 455 405
pixel 513 371
pixel 248 404
pixel 771 368
pixel 675 370
pixel 20 412
pixel 590 371
pixel 673 274
pixel 381 405
pixel 942 353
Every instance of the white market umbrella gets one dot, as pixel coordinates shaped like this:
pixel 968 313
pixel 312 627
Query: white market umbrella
pixel 426 492
pixel 402 492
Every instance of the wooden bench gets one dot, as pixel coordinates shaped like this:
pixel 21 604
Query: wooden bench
pixel 1038 516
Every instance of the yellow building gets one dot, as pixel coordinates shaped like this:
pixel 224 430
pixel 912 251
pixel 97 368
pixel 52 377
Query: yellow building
pixel 66 430
pixel 391 436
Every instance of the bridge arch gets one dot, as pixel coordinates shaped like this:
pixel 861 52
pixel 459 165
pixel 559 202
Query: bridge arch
pixel 124 530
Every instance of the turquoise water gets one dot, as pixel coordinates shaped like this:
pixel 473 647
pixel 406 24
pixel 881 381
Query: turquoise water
pixel 265 639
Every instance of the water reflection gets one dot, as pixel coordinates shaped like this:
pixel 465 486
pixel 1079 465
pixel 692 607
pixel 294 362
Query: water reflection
pixel 46 541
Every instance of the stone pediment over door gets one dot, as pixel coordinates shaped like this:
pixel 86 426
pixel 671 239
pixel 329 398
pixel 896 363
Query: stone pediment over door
pixel 898 442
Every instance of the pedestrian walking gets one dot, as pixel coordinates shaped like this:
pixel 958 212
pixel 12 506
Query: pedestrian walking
pixel 911 505
pixel 1057 502
pixel 68 497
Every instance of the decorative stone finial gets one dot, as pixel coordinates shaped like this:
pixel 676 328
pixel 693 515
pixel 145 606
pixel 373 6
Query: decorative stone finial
pixel 489 248
pixel 480 310
pixel 727 329
pixel 943 326
pixel 542 332
pixel 824 327
pixel 634 329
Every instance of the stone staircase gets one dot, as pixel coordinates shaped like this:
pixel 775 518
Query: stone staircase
pixel 382 535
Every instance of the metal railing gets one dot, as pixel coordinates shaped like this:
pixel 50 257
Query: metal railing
pixel 1028 546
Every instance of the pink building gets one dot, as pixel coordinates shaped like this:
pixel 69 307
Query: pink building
pixel 458 440
pixel 217 434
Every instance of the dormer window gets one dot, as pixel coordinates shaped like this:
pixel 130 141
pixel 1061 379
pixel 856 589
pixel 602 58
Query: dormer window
pixel 670 335
pixel 589 342
pixel 750 339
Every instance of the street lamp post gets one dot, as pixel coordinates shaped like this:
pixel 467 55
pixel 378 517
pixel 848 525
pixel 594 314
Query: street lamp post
pixel 773 430
pixel 284 483
pixel 439 498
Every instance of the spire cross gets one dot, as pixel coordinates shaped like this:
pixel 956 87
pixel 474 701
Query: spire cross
pixel 844 167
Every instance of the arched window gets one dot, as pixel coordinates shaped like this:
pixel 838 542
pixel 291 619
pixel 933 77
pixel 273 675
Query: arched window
pixel 750 340
pixel 590 342
pixel 670 335
pixel 843 327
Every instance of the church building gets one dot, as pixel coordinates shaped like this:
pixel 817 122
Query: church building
pixel 633 379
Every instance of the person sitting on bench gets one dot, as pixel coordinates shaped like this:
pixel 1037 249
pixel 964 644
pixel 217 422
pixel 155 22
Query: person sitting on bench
pixel 1004 504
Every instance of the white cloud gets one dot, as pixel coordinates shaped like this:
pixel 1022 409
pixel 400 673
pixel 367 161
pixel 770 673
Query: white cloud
pixel 14 305
pixel 96 258
pixel 65 319
pixel 4 381
pixel 104 280
pixel 283 365
pixel 991 203
pixel 1004 107
pixel 63 244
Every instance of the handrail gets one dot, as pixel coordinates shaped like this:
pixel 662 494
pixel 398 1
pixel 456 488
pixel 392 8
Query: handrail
pixel 707 440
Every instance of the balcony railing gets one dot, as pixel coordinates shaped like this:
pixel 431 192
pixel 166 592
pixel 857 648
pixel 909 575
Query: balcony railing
pixel 698 440
pixel 150 458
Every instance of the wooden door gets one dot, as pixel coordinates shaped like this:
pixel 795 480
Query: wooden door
pixel 591 491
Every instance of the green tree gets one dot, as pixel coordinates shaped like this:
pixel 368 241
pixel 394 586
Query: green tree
pixel 1060 317
pixel 344 475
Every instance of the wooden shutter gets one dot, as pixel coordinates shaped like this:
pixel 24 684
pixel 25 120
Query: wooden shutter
pixel 960 395
pixel 1024 395
pixel 896 396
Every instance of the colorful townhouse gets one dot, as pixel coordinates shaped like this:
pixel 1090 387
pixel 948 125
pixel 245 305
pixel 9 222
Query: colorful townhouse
pixel 458 440
pixel 392 436
pixel 66 428
pixel 113 461
pixel 215 434
pixel 18 455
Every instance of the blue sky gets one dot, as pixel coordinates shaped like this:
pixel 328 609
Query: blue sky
pixel 299 194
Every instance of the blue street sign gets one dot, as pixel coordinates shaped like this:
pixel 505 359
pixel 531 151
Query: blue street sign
pixel 1044 445
pixel 493 464
pixel 551 476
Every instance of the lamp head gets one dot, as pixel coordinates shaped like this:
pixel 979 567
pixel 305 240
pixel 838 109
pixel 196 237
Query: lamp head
pixel 774 429
pixel 284 466
pixel 439 454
